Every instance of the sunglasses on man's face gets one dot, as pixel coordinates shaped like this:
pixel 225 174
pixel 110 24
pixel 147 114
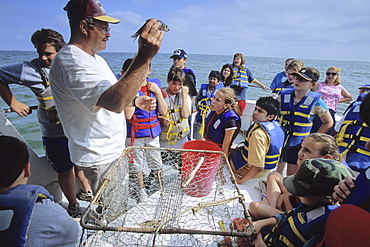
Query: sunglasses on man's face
pixel 332 74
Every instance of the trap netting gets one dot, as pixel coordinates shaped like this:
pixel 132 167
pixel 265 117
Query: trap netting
pixel 190 199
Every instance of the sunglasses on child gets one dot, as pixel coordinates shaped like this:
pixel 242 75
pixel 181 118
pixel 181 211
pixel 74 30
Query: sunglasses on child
pixel 332 74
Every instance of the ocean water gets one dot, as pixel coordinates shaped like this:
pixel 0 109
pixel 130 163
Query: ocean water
pixel 354 74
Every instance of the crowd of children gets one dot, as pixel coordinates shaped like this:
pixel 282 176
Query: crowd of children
pixel 294 208
pixel 283 132
pixel 301 209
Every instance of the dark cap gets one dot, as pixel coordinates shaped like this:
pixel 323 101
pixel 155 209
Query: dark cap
pixel 180 53
pixel 365 87
pixel 308 73
pixel 317 177
pixel 82 9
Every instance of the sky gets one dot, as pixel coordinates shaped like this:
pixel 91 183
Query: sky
pixel 311 29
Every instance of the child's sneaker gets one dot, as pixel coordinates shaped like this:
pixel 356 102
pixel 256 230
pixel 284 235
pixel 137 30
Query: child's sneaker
pixel 75 211
pixel 85 196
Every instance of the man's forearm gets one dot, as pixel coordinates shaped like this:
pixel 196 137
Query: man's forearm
pixel 120 95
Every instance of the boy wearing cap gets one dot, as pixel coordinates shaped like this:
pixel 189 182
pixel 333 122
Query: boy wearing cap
pixel 363 91
pixel 298 107
pixel 313 184
pixel 89 99
pixel 28 214
pixel 203 102
pixel 180 58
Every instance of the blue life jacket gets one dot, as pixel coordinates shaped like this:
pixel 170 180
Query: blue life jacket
pixel 205 101
pixel 295 227
pixel 189 71
pixel 215 126
pixel 280 86
pixel 16 205
pixel 360 195
pixel 144 123
pixel 296 119
pixel 240 78
pixel 352 138
pixel 275 135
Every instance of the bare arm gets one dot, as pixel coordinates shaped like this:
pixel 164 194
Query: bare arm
pixel 250 174
pixel 120 95
pixel 226 144
pixel 347 97
pixel 129 112
pixel 284 203
pixel 255 81
pixel 327 123
pixel 258 147
pixel 259 224
pixel 185 109
pixel 16 106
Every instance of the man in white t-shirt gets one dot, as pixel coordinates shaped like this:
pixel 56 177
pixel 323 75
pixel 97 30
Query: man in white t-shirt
pixel 89 99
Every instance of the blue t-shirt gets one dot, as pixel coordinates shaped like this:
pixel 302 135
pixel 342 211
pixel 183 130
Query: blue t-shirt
pixel 279 77
pixel 50 225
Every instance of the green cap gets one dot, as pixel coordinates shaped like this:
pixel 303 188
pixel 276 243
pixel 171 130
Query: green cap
pixel 317 177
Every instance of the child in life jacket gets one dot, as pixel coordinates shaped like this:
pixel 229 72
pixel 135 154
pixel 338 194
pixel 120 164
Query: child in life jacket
pixel 203 102
pixel 175 125
pixel 298 107
pixel 263 143
pixel 314 184
pixel 223 122
pixel 28 214
pixel 143 130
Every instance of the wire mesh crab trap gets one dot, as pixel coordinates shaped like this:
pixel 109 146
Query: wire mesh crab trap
pixel 191 200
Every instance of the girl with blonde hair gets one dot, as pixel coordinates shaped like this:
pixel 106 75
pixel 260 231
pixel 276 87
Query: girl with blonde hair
pixel 276 198
pixel 223 123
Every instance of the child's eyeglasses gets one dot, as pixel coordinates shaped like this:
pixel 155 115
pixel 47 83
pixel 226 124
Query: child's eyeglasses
pixel 332 74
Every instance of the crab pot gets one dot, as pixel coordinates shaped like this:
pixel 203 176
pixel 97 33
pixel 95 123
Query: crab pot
pixel 201 184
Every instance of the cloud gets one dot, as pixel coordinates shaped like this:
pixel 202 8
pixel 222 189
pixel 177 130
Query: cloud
pixel 268 28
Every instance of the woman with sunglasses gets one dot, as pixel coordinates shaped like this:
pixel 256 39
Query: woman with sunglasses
pixel 332 94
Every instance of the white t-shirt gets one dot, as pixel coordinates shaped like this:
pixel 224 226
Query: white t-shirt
pixel 96 136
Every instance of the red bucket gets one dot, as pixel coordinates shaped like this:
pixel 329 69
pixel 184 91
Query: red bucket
pixel 201 184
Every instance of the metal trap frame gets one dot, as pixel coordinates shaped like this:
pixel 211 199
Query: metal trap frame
pixel 194 201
